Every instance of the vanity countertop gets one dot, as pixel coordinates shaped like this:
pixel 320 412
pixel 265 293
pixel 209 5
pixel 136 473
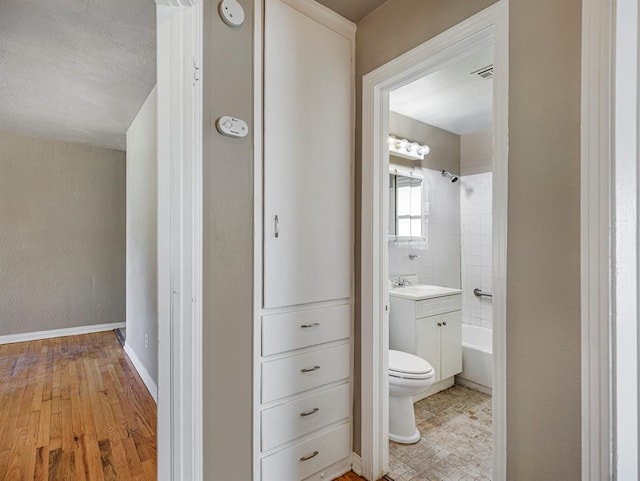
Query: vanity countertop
pixel 421 292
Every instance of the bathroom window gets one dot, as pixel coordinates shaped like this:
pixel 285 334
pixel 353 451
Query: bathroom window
pixel 405 206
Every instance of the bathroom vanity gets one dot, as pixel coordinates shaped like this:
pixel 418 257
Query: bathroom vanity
pixel 427 321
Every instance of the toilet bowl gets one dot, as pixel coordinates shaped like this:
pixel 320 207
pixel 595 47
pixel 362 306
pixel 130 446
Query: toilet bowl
pixel 408 376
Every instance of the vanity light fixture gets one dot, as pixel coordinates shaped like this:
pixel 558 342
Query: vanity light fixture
pixel 407 149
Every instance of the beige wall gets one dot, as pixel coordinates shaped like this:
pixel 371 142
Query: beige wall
pixel 142 234
pixel 445 146
pixel 543 269
pixel 476 153
pixel 228 250
pixel 62 235
pixel 543 296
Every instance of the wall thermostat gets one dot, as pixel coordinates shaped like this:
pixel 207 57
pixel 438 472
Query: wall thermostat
pixel 231 13
pixel 232 127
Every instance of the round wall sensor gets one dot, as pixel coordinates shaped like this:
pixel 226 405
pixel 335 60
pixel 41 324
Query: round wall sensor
pixel 231 13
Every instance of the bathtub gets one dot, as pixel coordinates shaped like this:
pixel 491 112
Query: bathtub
pixel 477 358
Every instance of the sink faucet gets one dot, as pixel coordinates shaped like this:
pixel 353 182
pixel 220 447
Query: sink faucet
pixel 401 282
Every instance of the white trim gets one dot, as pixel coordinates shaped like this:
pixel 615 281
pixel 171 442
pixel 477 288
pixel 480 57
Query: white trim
pixel 356 464
pixel 596 172
pixel 489 27
pixel 325 16
pixel 258 69
pixel 148 381
pixel 180 139
pixel 67 331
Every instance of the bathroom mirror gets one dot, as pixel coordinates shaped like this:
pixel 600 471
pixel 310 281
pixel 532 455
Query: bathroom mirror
pixel 405 206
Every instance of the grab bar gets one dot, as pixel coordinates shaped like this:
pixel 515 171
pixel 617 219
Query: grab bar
pixel 479 293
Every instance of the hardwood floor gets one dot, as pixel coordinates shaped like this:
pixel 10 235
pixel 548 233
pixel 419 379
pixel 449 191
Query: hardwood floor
pixel 350 477
pixel 74 408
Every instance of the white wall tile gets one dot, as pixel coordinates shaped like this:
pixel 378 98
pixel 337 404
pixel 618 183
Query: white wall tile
pixel 476 247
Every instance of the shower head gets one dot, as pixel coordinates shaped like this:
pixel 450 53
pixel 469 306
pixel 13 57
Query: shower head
pixel 454 178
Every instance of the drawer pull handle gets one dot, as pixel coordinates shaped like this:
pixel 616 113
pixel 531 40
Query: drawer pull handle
pixel 308 326
pixel 309 413
pixel 310 369
pixel 309 456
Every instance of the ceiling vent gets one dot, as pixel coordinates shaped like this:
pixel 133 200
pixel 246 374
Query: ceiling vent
pixel 485 73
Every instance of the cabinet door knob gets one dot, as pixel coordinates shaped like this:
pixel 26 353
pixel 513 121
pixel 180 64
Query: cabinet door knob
pixel 309 456
pixel 439 324
pixel 310 412
pixel 308 326
pixel 444 323
pixel 310 369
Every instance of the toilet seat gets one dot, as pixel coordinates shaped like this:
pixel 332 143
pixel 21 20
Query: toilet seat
pixel 407 366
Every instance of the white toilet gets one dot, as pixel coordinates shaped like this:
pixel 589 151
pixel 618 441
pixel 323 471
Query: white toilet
pixel 408 376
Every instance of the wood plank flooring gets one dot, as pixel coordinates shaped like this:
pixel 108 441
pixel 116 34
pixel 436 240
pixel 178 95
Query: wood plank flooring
pixel 351 476
pixel 74 408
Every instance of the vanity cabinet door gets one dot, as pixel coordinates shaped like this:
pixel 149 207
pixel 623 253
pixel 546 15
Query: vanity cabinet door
pixel 428 343
pixel 451 343
pixel 307 159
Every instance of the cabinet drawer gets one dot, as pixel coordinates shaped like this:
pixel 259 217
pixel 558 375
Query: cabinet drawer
pixel 439 305
pixel 295 374
pixel 308 457
pixel 291 420
pixel 295 330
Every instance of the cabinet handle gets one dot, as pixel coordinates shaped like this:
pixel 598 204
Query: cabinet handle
pixel 309 456
pixel 439 324
pixel 309 413
pixel 275 226
pixel 444 323
pixel 310 369
pixel 308 326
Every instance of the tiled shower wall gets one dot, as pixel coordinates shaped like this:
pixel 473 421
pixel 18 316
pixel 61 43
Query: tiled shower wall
pixel 476 247
pixel 439 253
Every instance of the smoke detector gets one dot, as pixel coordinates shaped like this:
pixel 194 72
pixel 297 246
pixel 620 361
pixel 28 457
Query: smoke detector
pixel 485 73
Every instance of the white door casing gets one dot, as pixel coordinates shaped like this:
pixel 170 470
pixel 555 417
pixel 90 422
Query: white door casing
pixel 489 27
pixel 179 51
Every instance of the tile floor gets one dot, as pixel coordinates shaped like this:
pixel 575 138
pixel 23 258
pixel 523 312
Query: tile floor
pixel 456 439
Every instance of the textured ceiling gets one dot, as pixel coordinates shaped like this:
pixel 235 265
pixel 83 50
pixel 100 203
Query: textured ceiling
pixel 75 70
pixel 354 10
pixel 450 98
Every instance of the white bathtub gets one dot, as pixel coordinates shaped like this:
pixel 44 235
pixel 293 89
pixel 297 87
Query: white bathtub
pixel 477 358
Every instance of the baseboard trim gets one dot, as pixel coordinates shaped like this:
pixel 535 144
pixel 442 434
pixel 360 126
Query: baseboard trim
pixel 148 381
pixel 68 331
pixel 356 464
pixel 474 386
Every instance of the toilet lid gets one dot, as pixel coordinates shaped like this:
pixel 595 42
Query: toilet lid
pixel 404 363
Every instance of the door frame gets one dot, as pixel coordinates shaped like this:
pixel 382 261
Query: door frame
pixel 180 220
pixel 487 27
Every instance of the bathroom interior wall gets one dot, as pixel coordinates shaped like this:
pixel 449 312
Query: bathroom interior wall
pixel 439 253
pixel 62 235
pixel 142 235
pixel 476 222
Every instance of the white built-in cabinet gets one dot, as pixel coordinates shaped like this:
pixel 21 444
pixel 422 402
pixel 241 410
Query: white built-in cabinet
pixel 307 150
pixel 431 329
pixel 304 263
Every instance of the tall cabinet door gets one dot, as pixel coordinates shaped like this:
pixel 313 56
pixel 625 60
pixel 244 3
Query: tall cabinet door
pixel 428 343
pixel 451 344
pixel 307 159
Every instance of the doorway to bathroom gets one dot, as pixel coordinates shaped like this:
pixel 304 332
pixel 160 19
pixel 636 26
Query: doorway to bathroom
pixel 434 257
